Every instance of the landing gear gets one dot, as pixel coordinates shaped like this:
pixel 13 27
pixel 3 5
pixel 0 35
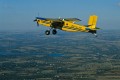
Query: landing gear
pixel 93 32
pixel 54 31
pixel 47 32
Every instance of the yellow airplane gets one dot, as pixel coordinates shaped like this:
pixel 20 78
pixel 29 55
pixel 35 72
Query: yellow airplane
pixel 68 24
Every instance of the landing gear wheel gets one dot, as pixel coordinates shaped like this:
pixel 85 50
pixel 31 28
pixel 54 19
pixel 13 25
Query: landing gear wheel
pixel 54 32
pixel 95 34
pixel 47 32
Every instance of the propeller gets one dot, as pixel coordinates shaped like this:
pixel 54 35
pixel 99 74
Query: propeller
pixel 36 21
pixel 37 24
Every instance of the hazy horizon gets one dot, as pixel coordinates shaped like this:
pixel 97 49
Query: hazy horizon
pixel 19 15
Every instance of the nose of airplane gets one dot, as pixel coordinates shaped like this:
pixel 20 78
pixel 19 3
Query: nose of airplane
pixel 36 21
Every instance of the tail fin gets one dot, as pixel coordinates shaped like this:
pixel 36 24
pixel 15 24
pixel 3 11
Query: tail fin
pixel 92 21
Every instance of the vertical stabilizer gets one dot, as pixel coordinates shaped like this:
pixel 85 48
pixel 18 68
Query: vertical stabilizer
pixel 92 21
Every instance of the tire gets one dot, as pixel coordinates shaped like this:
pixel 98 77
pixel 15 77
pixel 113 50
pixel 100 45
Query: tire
pixel 54 32
pixel 47 32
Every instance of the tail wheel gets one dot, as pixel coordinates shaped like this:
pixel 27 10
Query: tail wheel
pixel 47 32
pixel 54 31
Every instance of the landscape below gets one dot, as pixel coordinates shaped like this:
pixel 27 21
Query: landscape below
pixel 65 56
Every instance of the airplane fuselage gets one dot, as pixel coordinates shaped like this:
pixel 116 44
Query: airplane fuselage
pixel 63 25
pixel 68 24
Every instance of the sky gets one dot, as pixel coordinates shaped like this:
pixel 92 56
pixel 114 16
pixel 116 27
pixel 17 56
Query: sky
pixel 19 14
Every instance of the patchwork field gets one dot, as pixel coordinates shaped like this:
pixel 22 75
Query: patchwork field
pixel 65 56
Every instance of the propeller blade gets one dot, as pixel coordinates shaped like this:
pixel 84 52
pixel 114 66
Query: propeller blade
pixel 37 24
pixel 35 20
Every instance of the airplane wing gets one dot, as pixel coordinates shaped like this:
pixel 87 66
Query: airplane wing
pixel 59 19
pixel 72 19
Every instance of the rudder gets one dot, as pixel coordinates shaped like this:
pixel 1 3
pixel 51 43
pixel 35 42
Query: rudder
pixel 92 21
